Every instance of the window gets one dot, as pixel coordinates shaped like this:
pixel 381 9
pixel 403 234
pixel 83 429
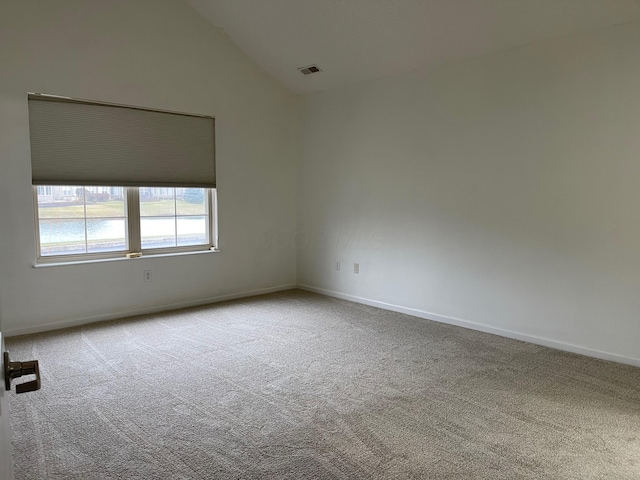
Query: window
pixel 83 223
pixel 81 220
pixel 115 180
pixel 173 217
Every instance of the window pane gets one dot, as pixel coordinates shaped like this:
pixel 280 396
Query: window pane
pixel 156 202
pixel 192 201
pixel 60 202
pixel 105 202
pixel 158 232
pixel 61 237
pixel 192 231
pixel 106 235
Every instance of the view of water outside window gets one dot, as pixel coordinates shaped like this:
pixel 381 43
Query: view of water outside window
pixel 77 220
pixel 81 220
pixel 173 217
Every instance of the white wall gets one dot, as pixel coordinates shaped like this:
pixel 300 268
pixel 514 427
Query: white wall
pixel 160 54
pixel 502 190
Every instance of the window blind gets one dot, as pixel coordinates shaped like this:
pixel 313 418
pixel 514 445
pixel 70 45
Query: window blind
pixel 77 142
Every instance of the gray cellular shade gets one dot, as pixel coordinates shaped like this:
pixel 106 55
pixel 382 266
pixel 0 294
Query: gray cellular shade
pixel 84 143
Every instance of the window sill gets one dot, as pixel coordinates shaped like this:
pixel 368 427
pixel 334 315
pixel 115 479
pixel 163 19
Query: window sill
pixel 119 259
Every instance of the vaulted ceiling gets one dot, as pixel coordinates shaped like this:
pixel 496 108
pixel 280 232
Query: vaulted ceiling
pixel 357 40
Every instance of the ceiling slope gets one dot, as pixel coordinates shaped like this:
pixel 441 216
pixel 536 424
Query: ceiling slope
pixel 358 40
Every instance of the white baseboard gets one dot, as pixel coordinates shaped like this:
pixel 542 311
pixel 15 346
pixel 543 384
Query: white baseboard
pixel 547 342
pixel 144 311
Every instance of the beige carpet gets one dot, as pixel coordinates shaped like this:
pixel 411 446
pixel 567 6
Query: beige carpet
pixel 296 385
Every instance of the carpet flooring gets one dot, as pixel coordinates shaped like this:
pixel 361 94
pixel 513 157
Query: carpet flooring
pixel 295 385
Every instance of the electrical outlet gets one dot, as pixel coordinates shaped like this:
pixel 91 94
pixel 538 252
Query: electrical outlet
pixel 147 275
pixel 356 268
pixel 338 264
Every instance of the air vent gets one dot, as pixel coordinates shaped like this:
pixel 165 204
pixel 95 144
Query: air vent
pixel 308 70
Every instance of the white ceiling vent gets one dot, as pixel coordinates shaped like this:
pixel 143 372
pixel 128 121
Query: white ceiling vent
pixel 309 69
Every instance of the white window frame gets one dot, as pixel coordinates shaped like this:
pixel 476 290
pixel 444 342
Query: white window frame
pixel 135 250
